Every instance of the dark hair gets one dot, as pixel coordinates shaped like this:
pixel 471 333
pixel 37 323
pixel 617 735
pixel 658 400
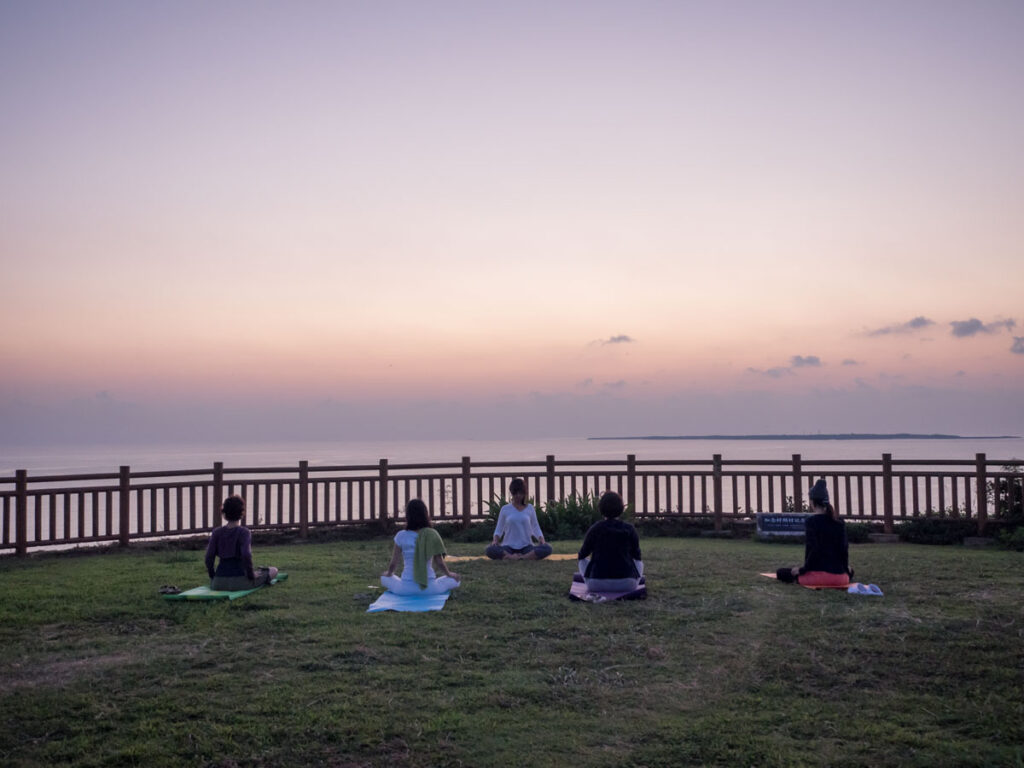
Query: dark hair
pixel 234 507
pixel 416 515
pixel 611 504
pixel 516 487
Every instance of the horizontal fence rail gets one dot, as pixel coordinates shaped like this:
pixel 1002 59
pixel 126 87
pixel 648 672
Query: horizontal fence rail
pixel 63 510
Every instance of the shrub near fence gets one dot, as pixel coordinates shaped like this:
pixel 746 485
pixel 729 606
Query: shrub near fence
pixel 64 510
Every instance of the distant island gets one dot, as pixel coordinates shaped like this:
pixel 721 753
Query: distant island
pixel 819 436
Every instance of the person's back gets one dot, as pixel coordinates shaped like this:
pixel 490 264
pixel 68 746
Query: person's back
pixel 827 549
pixel 613 547
pixel 232 545
pixel 406 541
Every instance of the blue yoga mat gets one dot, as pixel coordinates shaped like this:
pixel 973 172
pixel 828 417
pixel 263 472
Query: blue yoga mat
pixel 389 601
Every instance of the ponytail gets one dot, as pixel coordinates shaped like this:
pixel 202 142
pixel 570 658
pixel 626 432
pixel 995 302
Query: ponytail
pixel 831 511
pixel 824 507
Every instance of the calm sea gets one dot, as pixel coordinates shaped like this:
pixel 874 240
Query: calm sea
pixel 105 458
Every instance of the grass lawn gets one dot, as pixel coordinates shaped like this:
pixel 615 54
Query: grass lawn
pixel 717 667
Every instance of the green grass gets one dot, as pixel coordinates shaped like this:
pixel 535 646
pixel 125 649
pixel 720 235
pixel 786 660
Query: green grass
pixel 717 667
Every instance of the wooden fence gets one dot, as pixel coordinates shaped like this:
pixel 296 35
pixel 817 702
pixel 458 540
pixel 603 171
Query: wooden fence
pixel 62 510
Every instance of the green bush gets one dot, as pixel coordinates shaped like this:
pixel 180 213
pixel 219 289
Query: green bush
pixel 571 517
pixel 473 534
pixel 674 526
pixel 1012 539
pixel 789 507
pixel 494 508
pixel 857 533
pixel 937 530
pixel 1009 504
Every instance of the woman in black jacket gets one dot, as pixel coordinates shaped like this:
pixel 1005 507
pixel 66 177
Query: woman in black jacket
pixel 826 554
pixel 609 559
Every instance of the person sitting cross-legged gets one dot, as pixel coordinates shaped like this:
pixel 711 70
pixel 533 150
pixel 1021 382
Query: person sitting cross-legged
pixel 826 553
pixel 609 559
pixel 230 548
pixel 420 551
pixel 517 528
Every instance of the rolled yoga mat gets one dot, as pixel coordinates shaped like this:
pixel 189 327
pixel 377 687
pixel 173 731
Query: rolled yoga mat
pixel 467 558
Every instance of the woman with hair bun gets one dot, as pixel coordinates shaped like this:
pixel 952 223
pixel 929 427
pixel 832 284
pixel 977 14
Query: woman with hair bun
pixel 826 553
pixel 232 543
pixel 420 551
pixel 517 528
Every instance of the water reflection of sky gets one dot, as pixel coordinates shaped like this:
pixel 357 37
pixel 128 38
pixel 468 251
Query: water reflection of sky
pixel 107 459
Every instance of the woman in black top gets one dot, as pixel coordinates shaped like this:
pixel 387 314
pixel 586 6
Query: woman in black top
pixel 610 556
pixel 826 553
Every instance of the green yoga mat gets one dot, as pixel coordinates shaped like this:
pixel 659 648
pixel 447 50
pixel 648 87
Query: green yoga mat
pixel 205 593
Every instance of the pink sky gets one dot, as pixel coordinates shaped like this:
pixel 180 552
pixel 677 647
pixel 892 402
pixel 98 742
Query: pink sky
pixel 461 219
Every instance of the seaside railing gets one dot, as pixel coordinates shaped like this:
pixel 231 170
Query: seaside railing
pixel 64 510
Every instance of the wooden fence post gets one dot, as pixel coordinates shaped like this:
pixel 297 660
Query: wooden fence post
pixel 21 511
pixel 550 479
pixel 631 481
pixel 982 481
pixel 382 493
pixel 303 498
pixel 218 491
pixel 467 491
pixel 798 484
pixel 716 486
pixel 887 509
pixel 124 498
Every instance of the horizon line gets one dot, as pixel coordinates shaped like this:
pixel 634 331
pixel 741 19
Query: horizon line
pixel 818 436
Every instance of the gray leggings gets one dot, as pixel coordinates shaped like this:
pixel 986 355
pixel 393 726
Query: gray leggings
pixel 612 585
pixel 498 551
pixel 239 583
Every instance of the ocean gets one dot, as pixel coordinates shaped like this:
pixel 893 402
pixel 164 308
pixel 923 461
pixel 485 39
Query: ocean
pixel 66 459
pixel 91 514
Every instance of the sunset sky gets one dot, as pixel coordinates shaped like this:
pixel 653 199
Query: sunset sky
pixel 473 219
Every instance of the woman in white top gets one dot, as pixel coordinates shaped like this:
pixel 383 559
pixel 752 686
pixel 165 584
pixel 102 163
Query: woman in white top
pixel 418 538
pixel 517 528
